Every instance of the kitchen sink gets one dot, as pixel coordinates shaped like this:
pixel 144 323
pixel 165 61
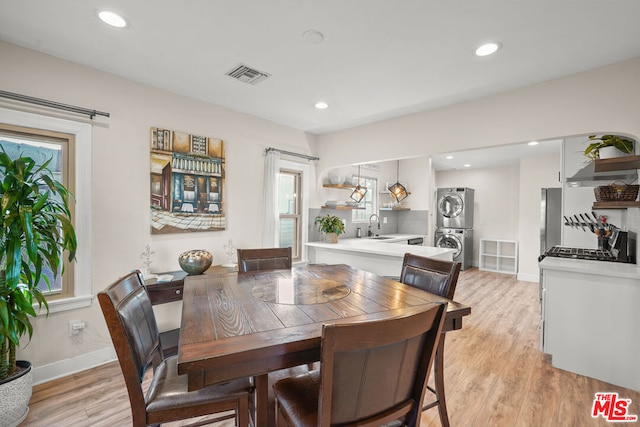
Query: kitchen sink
pixel 380 238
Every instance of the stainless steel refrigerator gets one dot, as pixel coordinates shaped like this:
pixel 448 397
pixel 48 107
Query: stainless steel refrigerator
pixel 550 218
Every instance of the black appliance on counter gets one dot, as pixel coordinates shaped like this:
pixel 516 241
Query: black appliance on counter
pixel 619 249
pixel 580 253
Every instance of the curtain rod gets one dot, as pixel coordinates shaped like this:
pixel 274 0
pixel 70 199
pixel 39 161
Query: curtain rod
pixel 304 156
pixel 52 104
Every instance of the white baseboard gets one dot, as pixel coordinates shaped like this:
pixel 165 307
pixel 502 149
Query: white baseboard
pixel 66 367
pixel 528 277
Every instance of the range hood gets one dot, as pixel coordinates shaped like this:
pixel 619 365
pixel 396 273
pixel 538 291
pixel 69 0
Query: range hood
pixel 588 177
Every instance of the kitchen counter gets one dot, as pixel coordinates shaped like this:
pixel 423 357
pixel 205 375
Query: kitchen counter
pixel 380 256
pixel 608 269
pixel 590 318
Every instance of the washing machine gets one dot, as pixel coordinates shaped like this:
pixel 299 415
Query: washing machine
pixel 455 207
pixel 459 239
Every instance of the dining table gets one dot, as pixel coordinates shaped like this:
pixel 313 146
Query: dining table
pixel 238 325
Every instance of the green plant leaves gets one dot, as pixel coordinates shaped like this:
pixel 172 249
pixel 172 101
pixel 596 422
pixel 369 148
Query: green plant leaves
pixel 622 144
pixel 329 224
pixel 35 232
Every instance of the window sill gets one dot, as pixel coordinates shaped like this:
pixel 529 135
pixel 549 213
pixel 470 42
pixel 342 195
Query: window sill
pixel 57 306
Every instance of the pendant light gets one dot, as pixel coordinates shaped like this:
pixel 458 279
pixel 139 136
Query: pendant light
pixel 397 190
pixel 359 192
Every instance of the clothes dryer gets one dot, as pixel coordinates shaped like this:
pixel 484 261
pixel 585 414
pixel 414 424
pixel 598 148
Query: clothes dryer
pixel 458 239
pixel 455 207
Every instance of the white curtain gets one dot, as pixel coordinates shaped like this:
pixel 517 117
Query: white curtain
pixel 270 220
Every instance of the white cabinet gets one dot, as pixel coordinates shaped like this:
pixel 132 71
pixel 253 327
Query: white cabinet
pixel 591 318
pixel 498 255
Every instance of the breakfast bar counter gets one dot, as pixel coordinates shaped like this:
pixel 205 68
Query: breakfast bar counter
pixel 382 256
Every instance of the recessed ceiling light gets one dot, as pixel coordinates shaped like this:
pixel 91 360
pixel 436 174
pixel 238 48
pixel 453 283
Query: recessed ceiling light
pixel 449 157
pixel 532 143
pixel 112 18
pixel 467 165
pixel 488 49
pixel 321 105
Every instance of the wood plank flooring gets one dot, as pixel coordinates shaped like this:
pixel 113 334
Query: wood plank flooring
pixel 495 374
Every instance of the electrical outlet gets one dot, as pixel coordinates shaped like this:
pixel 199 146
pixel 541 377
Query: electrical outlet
pixel 75 327
pixel 384 219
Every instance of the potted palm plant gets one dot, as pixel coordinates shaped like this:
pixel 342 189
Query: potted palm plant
pixel 331 226
pixel 608 146
pixel 35 233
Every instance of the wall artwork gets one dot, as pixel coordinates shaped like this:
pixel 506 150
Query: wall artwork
pixel 187 182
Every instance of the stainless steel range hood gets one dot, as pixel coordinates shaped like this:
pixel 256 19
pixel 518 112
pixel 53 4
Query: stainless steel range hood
pixel 588 177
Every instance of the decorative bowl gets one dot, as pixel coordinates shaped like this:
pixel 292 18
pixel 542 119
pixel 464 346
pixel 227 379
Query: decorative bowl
pixel 336 179
pixel 195 262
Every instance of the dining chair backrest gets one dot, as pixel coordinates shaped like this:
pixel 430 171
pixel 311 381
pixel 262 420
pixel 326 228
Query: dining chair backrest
pixel 375 372
pixel 264 259
pixel 129 315
pixel 437 276
pixel 127 309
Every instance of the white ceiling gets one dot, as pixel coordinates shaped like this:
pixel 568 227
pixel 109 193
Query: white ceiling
pixel 494 156
pixel 379 58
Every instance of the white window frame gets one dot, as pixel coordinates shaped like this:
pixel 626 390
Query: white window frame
pixel 375 197
pixel 304 171
pixel 82 285
pixel 297 215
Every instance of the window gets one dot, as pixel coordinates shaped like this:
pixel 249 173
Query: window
pixel 42 146
pixel 80 160
pixel 289 210
pixel 370 201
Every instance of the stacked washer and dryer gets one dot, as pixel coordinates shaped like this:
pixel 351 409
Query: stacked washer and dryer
pixel 454 221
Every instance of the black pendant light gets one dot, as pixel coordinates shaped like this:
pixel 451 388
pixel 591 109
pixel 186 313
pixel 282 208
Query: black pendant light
pixel 397 190
pixel 359 192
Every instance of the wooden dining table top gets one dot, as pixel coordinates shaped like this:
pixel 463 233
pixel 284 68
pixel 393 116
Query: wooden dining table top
pixel 243 324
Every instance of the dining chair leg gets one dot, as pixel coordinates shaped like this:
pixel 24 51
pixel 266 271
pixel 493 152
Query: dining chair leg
pixel 262 400
pixel 438 367
pixel 242 412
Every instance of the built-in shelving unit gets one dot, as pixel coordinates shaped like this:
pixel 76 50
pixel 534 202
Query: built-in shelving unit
pixel 617 164
pixel 343 186
pixel 500 256
pixel 341 207
pixel 397 208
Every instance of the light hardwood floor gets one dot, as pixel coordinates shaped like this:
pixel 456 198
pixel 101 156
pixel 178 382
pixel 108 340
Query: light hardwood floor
pixel 495 373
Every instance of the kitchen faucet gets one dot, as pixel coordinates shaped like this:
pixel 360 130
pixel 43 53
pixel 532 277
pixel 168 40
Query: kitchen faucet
pixel 369 232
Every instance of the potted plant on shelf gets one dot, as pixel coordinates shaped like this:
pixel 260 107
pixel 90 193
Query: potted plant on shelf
pixel 331 226
pixel 36 230
pixel 608 146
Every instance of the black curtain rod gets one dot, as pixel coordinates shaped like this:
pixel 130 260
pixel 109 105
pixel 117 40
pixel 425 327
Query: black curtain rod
pixel 52 104
pixel 304 156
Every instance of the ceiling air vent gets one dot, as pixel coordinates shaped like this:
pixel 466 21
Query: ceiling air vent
pixel 247 75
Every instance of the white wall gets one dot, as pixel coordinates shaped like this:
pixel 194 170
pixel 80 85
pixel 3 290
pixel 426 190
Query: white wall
pixel 573 105
pixel 535 173
pixel 120 209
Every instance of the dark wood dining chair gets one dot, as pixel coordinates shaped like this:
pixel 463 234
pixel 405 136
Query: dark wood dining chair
pixel 371 373
pixel 438 277
pixel 264 259
pixel 132 325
